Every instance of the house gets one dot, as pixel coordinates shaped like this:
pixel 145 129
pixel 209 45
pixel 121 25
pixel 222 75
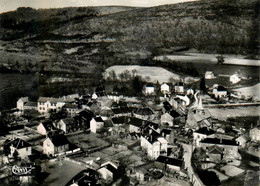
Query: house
pixel 117 121
pixel 214 153
pixel 201 134
pixel 54 104
pixel 30 105
pixel 149 88
pixel 135 124
pixel 220 92
pixel 165 88
pixel 167 119
pixel 235 78
pixel 242 140
pixel 229 147
pixel 254 133
pixel 179 88
pixel 22 147
pixel 209 75
pixel 71 109
pixel 55 145
pixel 45 127
pixel 96 123
pixel 83 118
pixel 141 174
pixel 108 171
pixel 21 102
pixel 145 113
pixel 199 118
pixel 68 125
pixel 153 143
pixel 165 162
pixel 190 92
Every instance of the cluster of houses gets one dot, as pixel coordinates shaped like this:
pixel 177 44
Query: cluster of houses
pixel 160 131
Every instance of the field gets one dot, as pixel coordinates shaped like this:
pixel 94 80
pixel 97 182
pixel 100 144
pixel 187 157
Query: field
pixel 151 74
pixel 250 91
pixel 225 113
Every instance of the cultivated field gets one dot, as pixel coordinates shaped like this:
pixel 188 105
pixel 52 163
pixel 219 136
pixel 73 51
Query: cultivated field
pixel 250 91
pixel 149 73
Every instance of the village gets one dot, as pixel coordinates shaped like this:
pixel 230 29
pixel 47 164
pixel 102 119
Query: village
pixel 164 135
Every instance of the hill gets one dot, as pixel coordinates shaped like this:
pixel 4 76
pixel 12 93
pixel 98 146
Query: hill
pixel 124 35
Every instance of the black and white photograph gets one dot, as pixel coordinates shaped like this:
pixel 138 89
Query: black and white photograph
pixel 129 92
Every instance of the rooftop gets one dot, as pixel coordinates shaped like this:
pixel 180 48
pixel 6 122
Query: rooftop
pixel 59 140
pixel 170 161
pixel 205 130
pixel 218 141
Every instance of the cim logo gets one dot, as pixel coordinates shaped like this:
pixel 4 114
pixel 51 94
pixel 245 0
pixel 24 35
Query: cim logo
pixel 22 170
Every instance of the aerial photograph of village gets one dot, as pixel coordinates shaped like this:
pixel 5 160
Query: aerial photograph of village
pixel 125 93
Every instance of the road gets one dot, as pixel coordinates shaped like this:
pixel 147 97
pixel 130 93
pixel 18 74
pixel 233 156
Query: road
pixel 194 178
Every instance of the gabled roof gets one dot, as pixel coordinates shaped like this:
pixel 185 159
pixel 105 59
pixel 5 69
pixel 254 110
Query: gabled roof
pixel 215 150
pixel 68 121
pixel 144 111
pixel 179 84
pixel 98 119
pixel 136 122
pixel 48 125
pixel 221 88
pixel 87 114
pixel 119 104
pixel 108 123
pixel 19 143
pixel 24 99
pixel 149 85
pixel 31 104
pixel 170 161
pixel 119 120
pixel 205 130
pixel 166 131
pixel 71 106
pixel 218 141
pixel 110 168
pixel 59 140
pixel 204 114
pixel 174 113
pixel 167 106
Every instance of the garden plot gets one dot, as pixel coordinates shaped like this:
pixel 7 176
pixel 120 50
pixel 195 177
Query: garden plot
pixel 148 73
pixel 231 170
pixel 221 176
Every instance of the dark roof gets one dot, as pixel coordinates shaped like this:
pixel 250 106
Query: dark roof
pixel 84 177
pixel 69 105
pixel 87 114
pixel 98 119
pixel 219 141
pixel 149 85
pixel 100 94
pixel 144 111
pixel 221 88
pixel 119 104
pixel 59 140
pixel 108 123
pixel 68 121
pixel 215 150
pixel 31 104
pixel 167 106
pixel 136 122
pixel 110 168
pixel 151 137
pixel 174 113
pixel 179 84
pixel 48 125
pixel 166 131
pixel 19 143
pixel 119 120
pixel 169 161
pixel 205 130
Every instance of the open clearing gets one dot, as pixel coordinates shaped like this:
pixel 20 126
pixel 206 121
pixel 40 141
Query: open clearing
pixel 250 91
pixel 154 73
pixel 225 113
pixel 210 58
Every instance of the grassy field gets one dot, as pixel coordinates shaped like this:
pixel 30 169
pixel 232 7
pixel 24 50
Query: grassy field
pixel 149 73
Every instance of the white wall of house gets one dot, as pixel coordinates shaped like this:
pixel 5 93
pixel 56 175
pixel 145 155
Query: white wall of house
pixel 48 147
pixel 165 88
pixel 255 134
pixel 94 125
pixel 234 78
pixel 219 94
pixel 133 128
pixel 149 90
pixel 197 137
pixel 41 130
pixel 61 125
pixel 167 118
pixel 105 173
pixel 23 152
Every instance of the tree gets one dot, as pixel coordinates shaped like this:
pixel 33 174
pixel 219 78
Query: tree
pixel 202 85
pixel 137 86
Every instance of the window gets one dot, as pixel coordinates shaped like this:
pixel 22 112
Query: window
pixel 26 148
